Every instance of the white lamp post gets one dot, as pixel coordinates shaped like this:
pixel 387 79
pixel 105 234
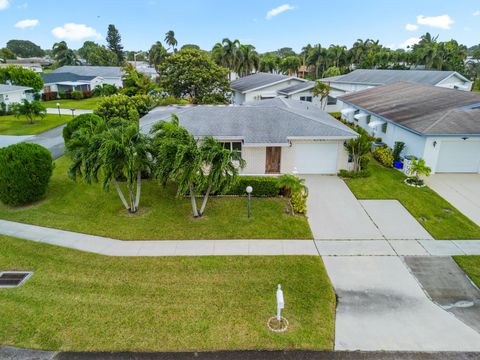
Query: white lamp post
pixel 249 190
pixel 73 112
pixel 58 108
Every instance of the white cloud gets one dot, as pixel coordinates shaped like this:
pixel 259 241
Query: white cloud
pixel 4 4
pixel 441 22
pixel 23 24
pixel 23 6
pixel 75 32
pixel 411 27
pixel 409 43
pixel 278 10
pixel 476 13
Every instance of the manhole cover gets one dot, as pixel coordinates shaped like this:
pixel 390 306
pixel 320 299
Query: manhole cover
pixel 10 279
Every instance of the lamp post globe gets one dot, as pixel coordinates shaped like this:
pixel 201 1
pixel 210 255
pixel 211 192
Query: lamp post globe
pixel 249 190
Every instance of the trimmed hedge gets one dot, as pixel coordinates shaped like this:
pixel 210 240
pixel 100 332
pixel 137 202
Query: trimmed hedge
pixel 77 123
pixel 262 186
pixel 25 170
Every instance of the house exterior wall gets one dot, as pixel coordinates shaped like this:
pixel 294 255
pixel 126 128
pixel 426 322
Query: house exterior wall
pixel 315 99
pixel 454 82
pixel 12 97
pixel 255 158
pixel 117 81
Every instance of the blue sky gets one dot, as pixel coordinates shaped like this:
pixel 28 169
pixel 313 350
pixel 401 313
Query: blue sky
pixel 291 23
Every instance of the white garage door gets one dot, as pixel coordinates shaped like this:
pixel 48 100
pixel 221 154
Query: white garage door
pixel 318 158
pixel 459 156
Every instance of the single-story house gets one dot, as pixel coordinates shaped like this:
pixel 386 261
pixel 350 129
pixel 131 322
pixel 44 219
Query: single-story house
pixel 273 136
pixel 12 94
pixel 362 79
pixel 36 67
pixel 110 74
pixel 67 82
pixel 437 124
pixel 261 86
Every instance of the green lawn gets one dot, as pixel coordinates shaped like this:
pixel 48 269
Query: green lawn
pixel 86 104
pixel 439 217
pixel 471 266
pixel 84 302
pixel 88 209
pixel 10 125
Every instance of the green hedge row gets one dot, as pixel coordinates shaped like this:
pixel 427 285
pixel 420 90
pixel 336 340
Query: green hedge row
pixel 262 186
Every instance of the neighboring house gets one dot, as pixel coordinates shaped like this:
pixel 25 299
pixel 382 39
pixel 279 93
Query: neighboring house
pixel 437 124
pixel 145 68
pixel 110 74
pixel 260 86
pixel 362 79
pixel 67 82
pixel 301 91
pixel 11 94
pixel 36 67
pixel 273 136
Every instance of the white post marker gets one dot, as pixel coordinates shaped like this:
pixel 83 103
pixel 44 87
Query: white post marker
pixel 280 302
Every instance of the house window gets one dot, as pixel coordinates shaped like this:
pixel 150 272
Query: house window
pixel 306 98
pixel 384 128
pixel 331 100
pixel 235 146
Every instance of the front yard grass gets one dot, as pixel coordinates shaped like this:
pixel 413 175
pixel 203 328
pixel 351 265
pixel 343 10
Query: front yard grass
pixel 471 266
pixel 84 104
pixel 437 216
pixel 78 301
pixel 10 125
pixel 88 209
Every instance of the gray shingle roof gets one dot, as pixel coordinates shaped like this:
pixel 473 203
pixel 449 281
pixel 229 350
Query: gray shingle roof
pixel 4 88
pixel 52 78
pixel 268 121
pixel 257 80
pixel 425 109
pixel 102 71
pixel 297 88
pixel 383 77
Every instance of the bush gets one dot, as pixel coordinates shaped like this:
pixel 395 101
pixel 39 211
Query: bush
pixel 77 123
pixel 76 95
pixel 397 150
pixel 262 186
pixel 171 100
pixel 143 103
pixel 354 174
pixel 25 170
pixel 4 109
pixel 384 156
pixel 50 96
pixel 299 202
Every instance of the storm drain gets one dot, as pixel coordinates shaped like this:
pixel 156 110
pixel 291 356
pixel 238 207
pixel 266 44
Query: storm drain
pixel 10 279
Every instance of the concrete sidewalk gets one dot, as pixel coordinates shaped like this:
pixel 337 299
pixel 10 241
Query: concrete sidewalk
pixel 68 112
pixel 112 247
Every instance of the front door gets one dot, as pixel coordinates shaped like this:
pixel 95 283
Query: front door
pixel 272 163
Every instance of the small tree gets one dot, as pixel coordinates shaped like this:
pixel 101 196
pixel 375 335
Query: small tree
pixel 418 169
pixel 358 148
pixel 29 109
pixel 290 184
pixel 322 90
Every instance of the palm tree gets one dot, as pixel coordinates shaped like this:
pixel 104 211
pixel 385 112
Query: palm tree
pixel 317 58
pixel 249 60
pixel 290 64
pixel 290 184
pixel 63 55
pixel 157 54
pixel 269 63
pixel 29 110
pixel 336 54
pixel 231 53
pixel 117 151
pixel 170 40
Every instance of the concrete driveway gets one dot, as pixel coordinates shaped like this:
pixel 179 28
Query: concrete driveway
pixel 334 212
pixel 460 190
pixel 382 307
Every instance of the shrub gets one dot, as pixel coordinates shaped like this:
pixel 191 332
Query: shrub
pixel 383 155
pixel 397 150
pixel 143 103
pixel 105 90
pixel 262 186
pixel 76 95
pixel 289 184
pixel 77 123
pixel 25 170
pixel 299 202
pixel 171 100
pixel 354 174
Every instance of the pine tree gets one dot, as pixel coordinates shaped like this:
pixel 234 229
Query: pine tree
pixel 114 43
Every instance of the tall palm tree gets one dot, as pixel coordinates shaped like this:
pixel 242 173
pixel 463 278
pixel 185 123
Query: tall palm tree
pixel 170 40
pixel 317 59
pixel 231 51
pixel 269 63
pixel 63 55
pixel 290 65
pixel 336 54
pixel 248 60
pixel 157 54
